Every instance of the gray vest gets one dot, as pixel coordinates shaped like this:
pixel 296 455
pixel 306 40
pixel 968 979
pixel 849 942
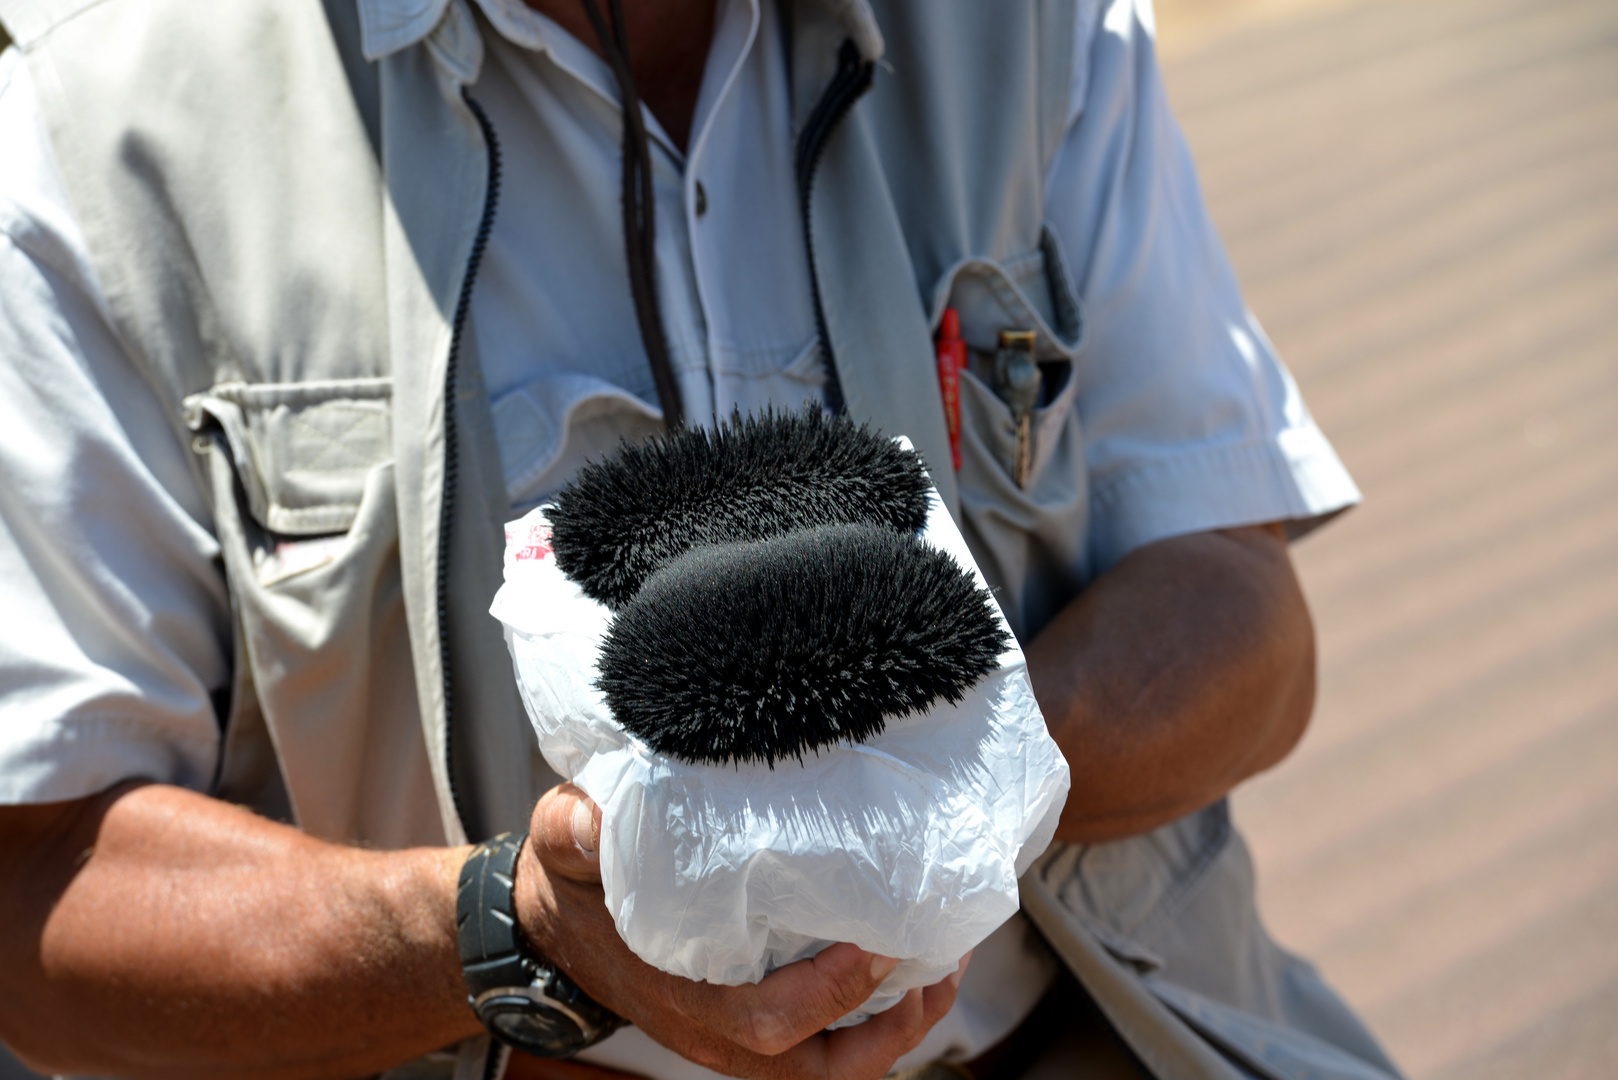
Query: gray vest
pixel 287 237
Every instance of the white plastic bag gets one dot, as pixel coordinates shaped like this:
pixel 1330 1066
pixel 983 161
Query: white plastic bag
pixel 909 845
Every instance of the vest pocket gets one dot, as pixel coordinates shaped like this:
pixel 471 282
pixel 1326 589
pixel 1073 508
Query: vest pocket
pixel 306 448
pixel 305 513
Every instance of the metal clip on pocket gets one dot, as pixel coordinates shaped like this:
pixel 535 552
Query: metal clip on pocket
pixel 1017 382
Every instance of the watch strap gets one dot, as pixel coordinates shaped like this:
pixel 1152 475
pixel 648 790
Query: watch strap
pixel 504 978
pixel 485 910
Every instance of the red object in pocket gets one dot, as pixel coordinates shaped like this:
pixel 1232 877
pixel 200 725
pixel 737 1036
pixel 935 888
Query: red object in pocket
pixel 951 359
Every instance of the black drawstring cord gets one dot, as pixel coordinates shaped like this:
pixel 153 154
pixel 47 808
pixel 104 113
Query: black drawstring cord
pixel 640 220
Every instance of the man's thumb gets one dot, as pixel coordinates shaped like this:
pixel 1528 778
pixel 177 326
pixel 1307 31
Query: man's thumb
pixel 565 833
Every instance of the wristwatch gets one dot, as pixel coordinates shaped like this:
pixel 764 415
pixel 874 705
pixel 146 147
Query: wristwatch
pixel 524 1001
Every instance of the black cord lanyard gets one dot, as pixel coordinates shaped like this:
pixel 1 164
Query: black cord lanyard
pixel 640 222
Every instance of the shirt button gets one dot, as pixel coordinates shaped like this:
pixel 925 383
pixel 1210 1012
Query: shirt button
pixel 702 199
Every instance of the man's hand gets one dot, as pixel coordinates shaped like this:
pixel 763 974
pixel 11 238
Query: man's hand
pixel 1179 673
pixel 773 1029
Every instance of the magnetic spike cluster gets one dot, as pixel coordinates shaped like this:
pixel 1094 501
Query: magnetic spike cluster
pixel 750 479
pixel 763 650
pixel 771 594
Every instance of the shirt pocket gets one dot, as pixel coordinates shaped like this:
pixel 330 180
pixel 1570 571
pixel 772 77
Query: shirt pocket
pixel 1029 539
pixel 305 511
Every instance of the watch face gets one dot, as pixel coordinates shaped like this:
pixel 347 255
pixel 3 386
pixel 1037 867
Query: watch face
pixel 527 1020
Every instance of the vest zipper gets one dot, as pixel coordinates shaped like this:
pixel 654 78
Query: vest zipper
pixel 446 513
pixel 853 79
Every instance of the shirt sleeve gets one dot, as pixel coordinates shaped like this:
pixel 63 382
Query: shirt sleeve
pixel 1191 420
pixel 116 633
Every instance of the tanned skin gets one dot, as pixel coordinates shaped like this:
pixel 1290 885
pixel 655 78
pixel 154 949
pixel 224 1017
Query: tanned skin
pixel 204 940
pixel 154 932
pixel 1179 673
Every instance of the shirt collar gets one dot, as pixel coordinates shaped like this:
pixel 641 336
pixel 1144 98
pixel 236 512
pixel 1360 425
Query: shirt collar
pixel 390 26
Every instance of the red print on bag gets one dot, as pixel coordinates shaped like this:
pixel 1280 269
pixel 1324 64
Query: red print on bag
pixel 536 544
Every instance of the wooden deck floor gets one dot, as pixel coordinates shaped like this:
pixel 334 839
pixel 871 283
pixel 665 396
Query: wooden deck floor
pixel 1421 198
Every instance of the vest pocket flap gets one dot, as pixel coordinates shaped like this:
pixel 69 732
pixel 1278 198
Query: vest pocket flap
pixel 302 450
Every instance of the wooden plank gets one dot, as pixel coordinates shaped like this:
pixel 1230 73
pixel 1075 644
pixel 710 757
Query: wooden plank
pixel 1420 198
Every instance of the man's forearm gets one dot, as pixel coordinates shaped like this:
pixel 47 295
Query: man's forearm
pixel 1185 669
pixel 155 932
